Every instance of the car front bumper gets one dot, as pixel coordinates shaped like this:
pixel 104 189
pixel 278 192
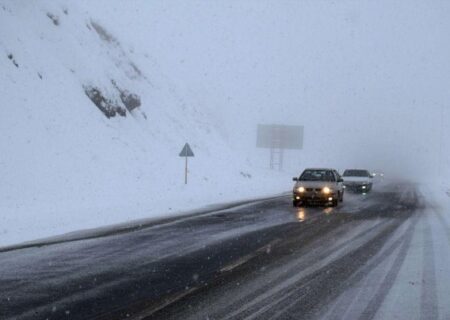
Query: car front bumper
pixel 311 197
pixel 358 187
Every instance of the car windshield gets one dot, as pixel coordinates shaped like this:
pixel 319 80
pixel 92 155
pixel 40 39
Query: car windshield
pixel 317 175
pixel 356 173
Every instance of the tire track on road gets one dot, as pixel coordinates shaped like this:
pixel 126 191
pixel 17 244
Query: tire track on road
pixel 443 223
pixel 282 285
pixel 339 311
pixel 264 300
pixel 299 295
pixel 389 280
pixel 429 298
pixel 303 301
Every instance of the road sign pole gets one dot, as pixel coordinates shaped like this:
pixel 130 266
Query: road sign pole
pixel 186 170
pixel 186 152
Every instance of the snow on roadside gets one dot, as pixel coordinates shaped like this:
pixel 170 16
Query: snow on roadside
pixel 27 224
pixel 423 279
pixel 65 166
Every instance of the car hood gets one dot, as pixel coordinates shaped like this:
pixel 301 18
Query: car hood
pixel 314 184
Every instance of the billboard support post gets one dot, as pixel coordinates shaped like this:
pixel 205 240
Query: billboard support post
pixel 278 138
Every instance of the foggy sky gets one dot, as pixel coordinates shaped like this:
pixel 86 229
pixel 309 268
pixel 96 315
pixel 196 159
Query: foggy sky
pixel 369 80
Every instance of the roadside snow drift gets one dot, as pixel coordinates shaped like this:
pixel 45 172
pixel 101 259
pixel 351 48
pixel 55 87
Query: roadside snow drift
pixel 91 129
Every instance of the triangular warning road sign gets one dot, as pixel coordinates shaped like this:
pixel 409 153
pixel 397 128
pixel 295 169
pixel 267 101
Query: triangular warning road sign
pixel 187 151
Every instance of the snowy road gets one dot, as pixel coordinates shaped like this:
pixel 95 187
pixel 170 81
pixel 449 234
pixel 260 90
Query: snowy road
pixel 374 257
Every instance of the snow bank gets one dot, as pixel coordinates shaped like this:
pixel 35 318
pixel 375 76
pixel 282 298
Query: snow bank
pixel 66 164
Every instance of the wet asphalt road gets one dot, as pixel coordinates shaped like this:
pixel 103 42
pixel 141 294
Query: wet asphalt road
pixel 263 260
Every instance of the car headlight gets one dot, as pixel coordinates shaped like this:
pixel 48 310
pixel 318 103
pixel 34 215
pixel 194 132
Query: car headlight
pixel 301 189
pixel 326 190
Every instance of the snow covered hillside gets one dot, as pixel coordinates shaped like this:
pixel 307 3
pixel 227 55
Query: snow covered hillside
pixel 98 98
pixel 91 128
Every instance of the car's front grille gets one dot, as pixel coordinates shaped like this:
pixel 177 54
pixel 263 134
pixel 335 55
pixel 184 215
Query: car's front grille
pixel 312 189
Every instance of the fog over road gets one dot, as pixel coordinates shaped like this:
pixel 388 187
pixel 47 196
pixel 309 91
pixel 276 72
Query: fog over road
pixel 372 257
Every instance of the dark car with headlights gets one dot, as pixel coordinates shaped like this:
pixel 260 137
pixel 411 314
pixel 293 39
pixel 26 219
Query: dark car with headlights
pixel 318 186
pixel 358 180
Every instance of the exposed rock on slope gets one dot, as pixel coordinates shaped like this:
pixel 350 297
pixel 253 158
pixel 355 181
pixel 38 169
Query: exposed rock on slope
pixel 109 107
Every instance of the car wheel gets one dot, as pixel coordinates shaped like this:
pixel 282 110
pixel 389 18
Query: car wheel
pixel 295 204
pixel 341 198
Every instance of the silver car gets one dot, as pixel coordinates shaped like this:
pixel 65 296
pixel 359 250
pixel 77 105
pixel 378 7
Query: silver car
pixel 318 186
pixel 358 180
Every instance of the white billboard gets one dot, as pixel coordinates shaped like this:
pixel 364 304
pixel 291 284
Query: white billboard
pixel 275 136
